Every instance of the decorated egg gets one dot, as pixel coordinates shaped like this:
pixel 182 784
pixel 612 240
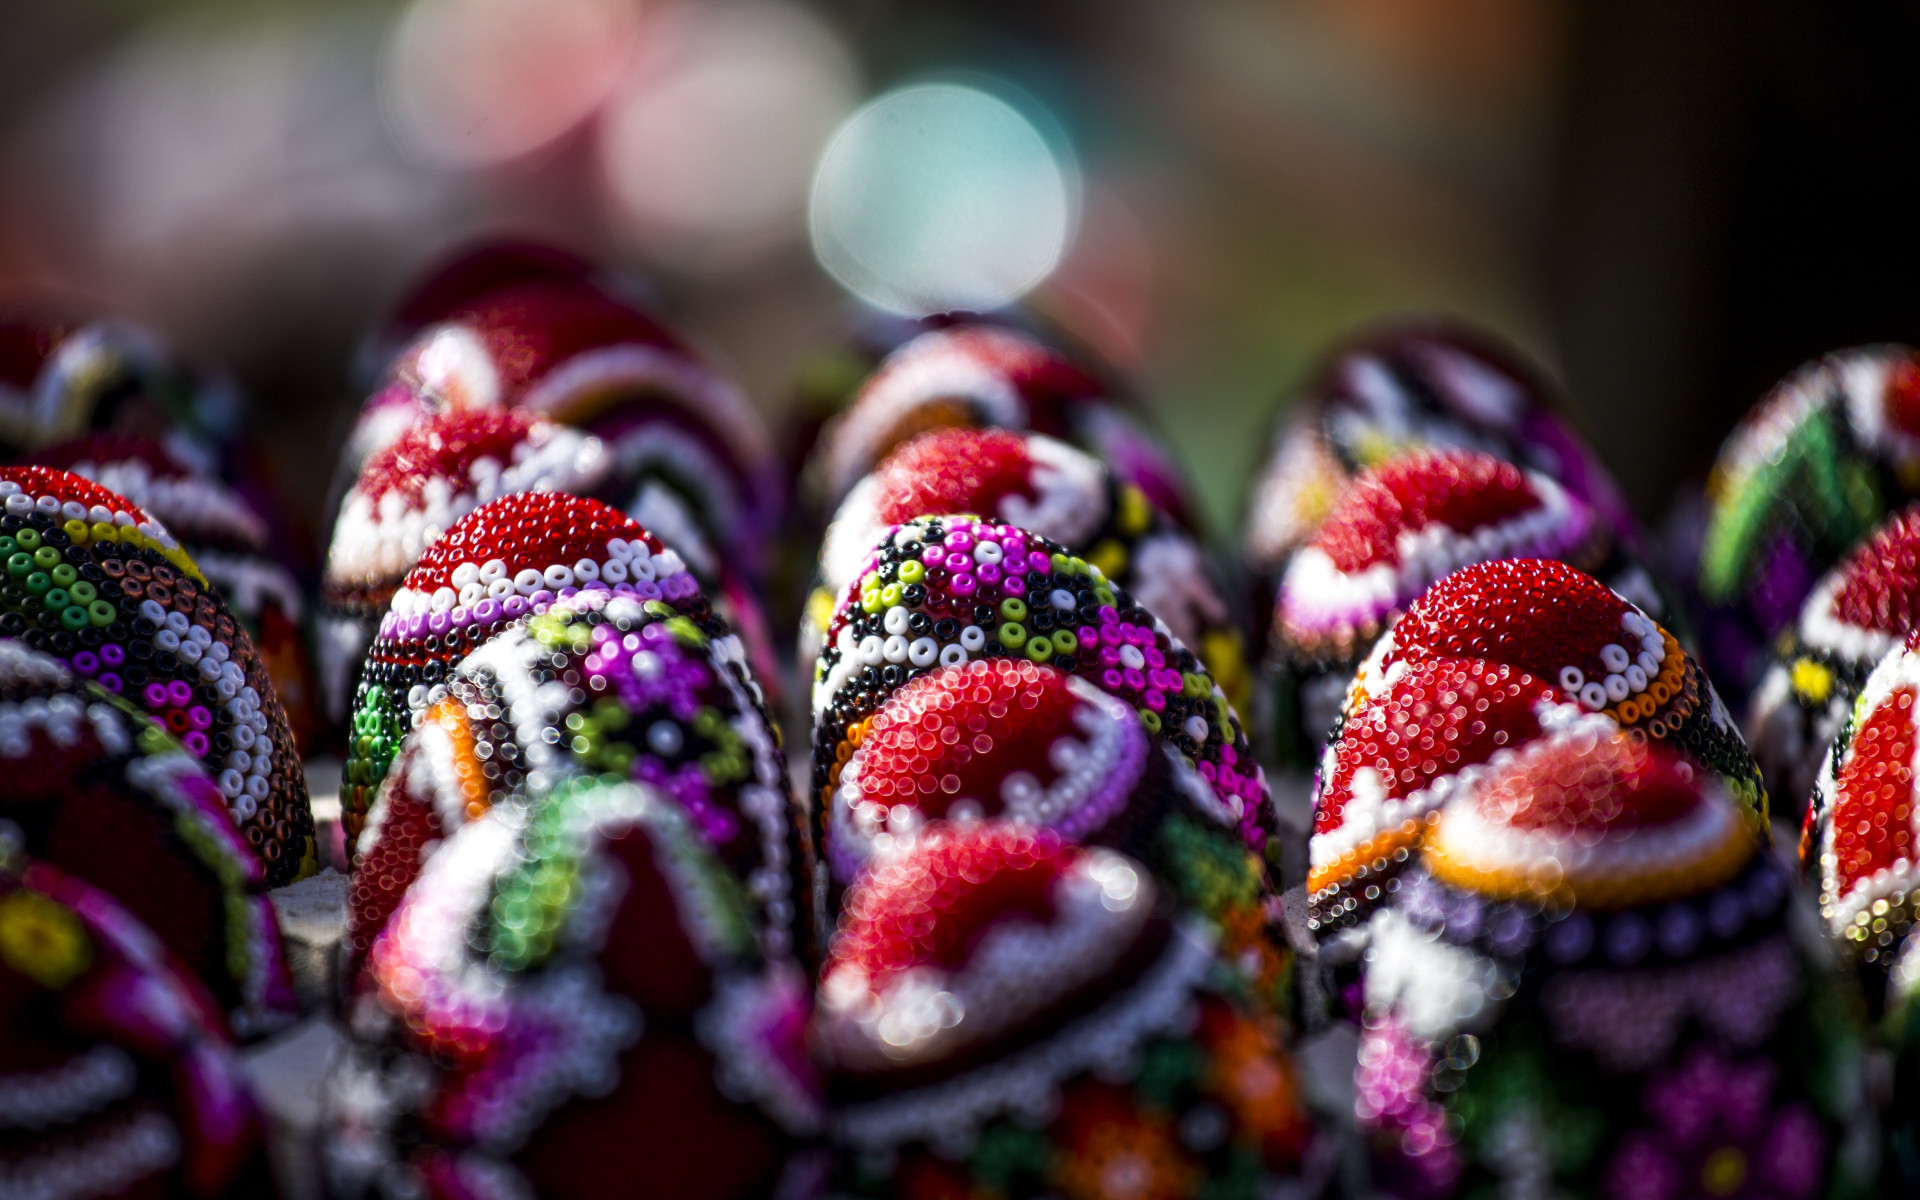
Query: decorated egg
pixel 1858 844
pixel 91 786
pixel 1407 387
pixel 1600 650
pixel 413 490
pixel 662 702
pixel 117 1077
pixel 228 538
pixel 1398 528
pixel 97 583
pixel 1589 980
pixel 980 375
pixel 1853 618
pixel 1039 483
pixel 570 999
pixel 684 441
pixel 60 379
pixel 1006 1013
pixel 507 558
pixel 974 669
pixel 1490 660
pixel 1817 465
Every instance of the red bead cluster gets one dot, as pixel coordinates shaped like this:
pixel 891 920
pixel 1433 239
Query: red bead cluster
pixel 1873 807
pixel 1460 489
pixel 66 487
pixel 1617 785
pixel 527 530
pixel 952 471
pixel 1532 613
pixel 1880 582
pixel 444 447
pixel 931 907
pixel 957 733
pixel 1438 718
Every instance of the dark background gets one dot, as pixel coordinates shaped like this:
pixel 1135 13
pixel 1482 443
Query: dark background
pixel 1670 204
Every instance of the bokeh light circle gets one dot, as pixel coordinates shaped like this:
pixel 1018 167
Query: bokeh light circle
pixel 940 196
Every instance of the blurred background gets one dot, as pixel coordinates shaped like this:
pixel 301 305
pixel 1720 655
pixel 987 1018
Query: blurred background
pixel 1669 205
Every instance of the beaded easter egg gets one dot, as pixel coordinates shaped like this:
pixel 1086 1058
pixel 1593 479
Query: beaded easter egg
pixel 1860 612
pixel 60 379
pixel 90 785
pixel 505 559
pixel 1005 1013
pixel 1569 629
pixel 116 1075
pixel 1039 483
pixel 1588 984
pixel 413 490
pixel 1411 386
pixel 681 436
pixel 1398 528
pixel 982 375
pixel 228 538
pixel 1858 845
pixel 1053 653
pixel 1817 465
pixel 568 999
pixel 599 684
pixel 99 584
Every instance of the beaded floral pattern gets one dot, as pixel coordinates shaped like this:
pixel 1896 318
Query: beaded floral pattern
pixel 94 788
pixel 944 593
pixel 1857 615
pixel 573 969
pixel 608 685
pixel 119 1079
pixel 1821 460
pixel 99 584
pixel 1038 483
pixel 1005 1015
pixel 500 562
pixel 1590 938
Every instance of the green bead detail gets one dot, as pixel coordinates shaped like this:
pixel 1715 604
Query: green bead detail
pixel 73 618
pixel 101 614
pixel 1013 609
pixel 29 539
pixel 1013 635
pixel 47 558
pixel 65 576
pixel 1039 648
